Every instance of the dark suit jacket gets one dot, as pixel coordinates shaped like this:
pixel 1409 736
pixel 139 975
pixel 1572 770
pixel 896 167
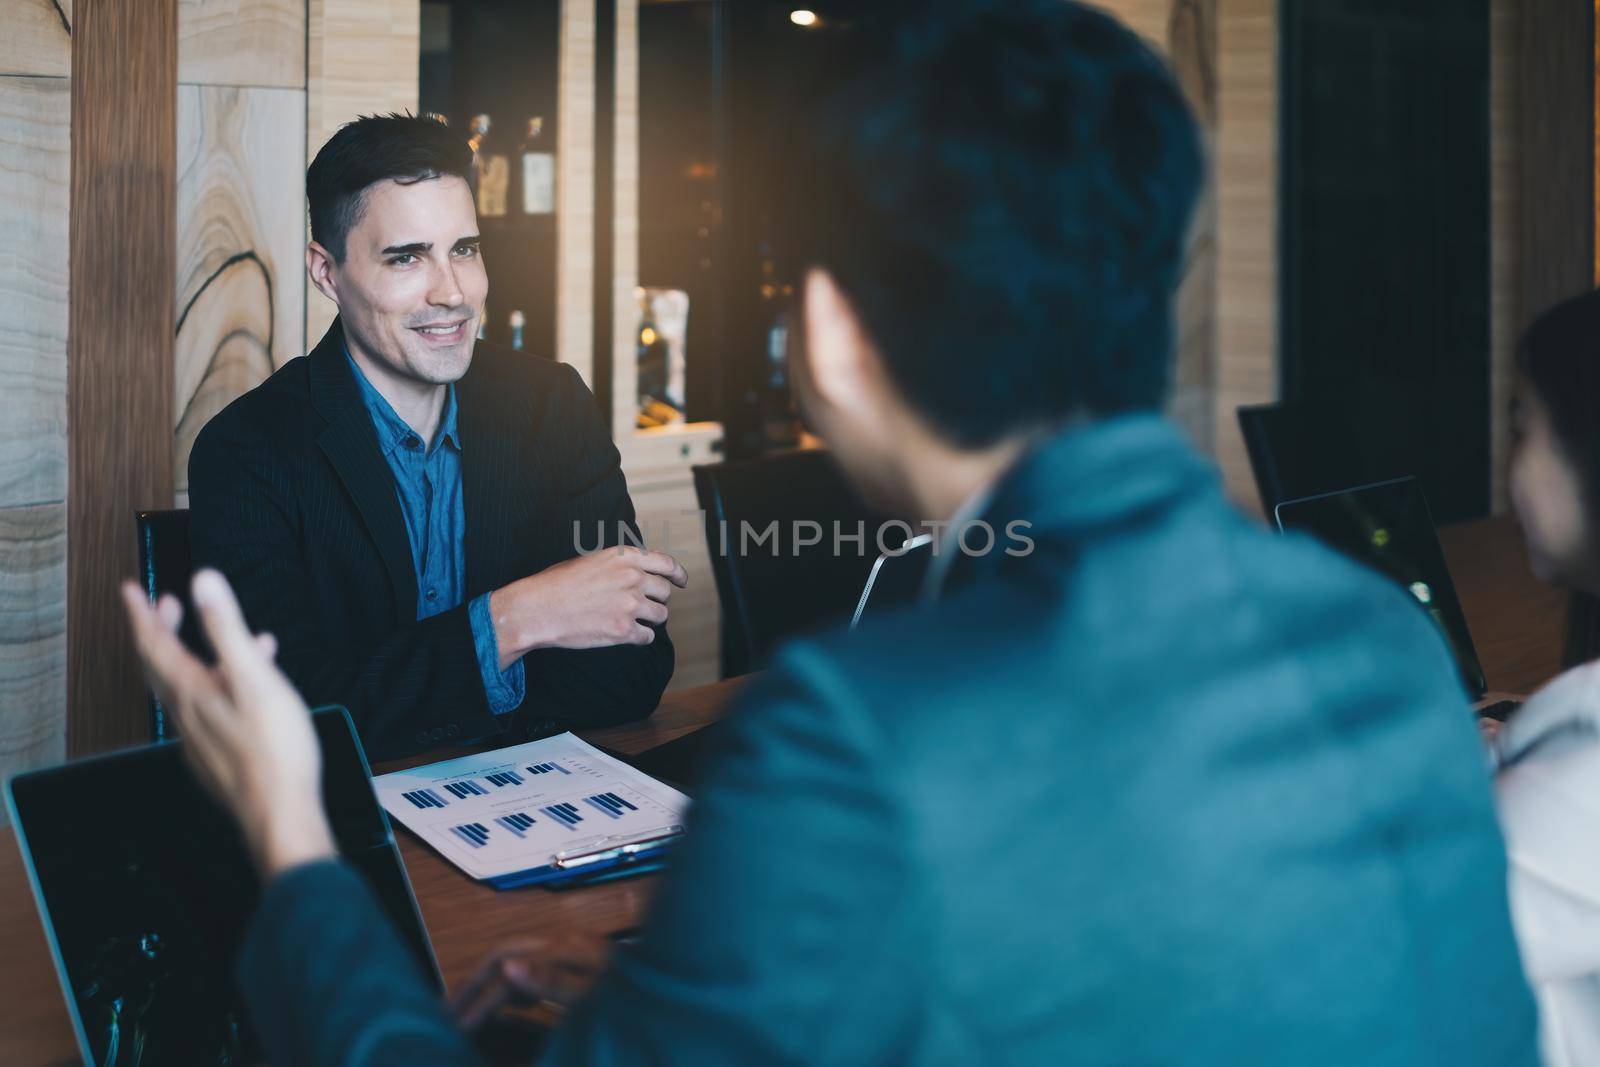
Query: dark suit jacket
pixel 1165 790
pixel 292 500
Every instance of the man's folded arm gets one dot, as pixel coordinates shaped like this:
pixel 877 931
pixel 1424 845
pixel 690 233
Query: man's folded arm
pixel 330 983
pixel 420 684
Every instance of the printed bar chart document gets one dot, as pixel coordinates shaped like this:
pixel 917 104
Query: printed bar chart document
pixel 545 812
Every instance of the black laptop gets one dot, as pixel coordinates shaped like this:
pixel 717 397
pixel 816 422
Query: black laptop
pixel 1387 526
pixel 145 890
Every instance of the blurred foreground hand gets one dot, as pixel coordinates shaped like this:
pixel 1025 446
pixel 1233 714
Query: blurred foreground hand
pixel 246 732
pixel 545 972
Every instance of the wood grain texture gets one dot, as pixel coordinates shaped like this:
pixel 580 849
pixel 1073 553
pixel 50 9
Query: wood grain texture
pixel 240 305
pixel 37 38
pixel 1504 253
pixel 242 42
pixel 120 341
pixel 1247 227
pixel 361 59
pixel 33 637
pixel 575 188
pixel 35 154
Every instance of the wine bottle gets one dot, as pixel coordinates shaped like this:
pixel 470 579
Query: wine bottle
pixel 491 170
pixel 517 321
pixel 538 171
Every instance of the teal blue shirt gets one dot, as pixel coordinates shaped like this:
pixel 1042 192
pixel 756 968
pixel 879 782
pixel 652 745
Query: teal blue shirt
pixel 427 480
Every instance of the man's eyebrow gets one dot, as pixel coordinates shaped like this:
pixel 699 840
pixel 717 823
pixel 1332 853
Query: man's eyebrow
pixel 472 241
pixel 414 248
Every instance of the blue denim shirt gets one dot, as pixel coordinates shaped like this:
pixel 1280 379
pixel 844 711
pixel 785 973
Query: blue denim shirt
pixel 427 481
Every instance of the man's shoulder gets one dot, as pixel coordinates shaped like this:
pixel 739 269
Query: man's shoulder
pixel 273 412
pixel 503 367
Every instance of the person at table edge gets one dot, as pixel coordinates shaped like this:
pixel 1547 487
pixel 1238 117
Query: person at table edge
pixel 405 506
pixel 1164 788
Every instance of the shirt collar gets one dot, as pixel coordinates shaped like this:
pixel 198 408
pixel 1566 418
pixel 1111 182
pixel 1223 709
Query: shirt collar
pixel 392 430
pixel 947 542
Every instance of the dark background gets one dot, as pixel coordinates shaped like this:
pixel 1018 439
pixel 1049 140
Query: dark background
pixel 1385 237
pixel 1384 209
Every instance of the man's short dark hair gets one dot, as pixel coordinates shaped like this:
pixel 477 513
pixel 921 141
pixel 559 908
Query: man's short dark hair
pixel 375 148
pixel 1003 190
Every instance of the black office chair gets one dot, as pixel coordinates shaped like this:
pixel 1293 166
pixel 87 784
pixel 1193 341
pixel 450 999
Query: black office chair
pixel 776 588
pixel 1300 450
pixel 165 566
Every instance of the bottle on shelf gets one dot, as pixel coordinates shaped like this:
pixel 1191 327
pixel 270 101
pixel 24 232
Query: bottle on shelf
pixel 538 167
pixel 517 321
pixel 491 172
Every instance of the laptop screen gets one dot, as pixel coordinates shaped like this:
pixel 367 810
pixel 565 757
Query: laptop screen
pixel 146 890
pixel 1387 527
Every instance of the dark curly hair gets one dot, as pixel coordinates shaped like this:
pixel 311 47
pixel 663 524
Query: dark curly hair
pixel 1003 189
pixel 375 148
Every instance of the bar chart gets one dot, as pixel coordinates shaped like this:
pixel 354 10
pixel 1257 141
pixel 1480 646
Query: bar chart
pixel 520 809
pixel 425 798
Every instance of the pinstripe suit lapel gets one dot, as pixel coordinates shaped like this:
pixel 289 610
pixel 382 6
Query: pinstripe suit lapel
pixel 495 491
pixel 350 445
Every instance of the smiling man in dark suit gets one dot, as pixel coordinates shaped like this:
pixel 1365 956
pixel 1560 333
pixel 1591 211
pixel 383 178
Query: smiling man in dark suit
pixel 403 506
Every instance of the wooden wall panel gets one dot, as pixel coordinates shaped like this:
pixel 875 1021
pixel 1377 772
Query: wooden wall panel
pixel 240 304
pixel 34 169
pixel 362 59
pixel 33 641
pixel 37 38
pixel 1247 226
pixel 120 341
pixel 242 42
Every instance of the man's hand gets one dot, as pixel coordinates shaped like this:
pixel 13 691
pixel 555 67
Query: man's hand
pixel 246 733
pixel 593 601
pixel 549 973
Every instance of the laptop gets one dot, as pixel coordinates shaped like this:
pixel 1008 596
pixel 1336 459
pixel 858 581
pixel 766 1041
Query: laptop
pixel 1387 526
pixel 145 891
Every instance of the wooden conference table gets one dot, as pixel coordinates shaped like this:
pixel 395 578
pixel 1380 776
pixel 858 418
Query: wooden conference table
pixel 1517 625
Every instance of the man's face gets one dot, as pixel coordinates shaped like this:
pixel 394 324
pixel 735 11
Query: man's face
pixel 412 286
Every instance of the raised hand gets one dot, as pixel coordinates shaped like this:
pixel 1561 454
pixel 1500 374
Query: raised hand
pixel 246 732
